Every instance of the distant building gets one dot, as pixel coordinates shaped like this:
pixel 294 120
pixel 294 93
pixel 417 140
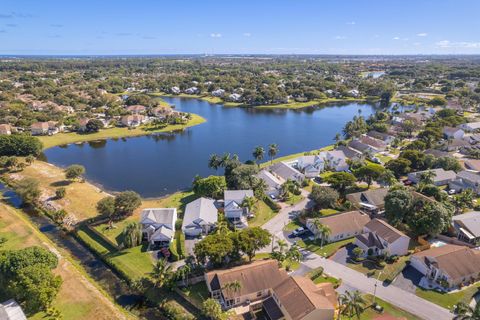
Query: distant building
pixel 234 211
pixel 218 93
pixel 467 227
pixel 453 133
pixel 39 128
pixel 137 109
pixel 372 200
pixel 470 127
pixel 287 172
pixel 11 310
pixel 274 184
pixel 133 120
pixel 440 178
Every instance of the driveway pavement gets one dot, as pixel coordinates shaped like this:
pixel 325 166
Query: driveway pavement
pixel 408 279
pixel 392 294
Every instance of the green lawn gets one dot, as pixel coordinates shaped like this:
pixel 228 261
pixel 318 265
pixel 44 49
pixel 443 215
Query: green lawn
pixel 322 278
pixel 262 212
pixel 197 292
pixel 294 199
pixel 327 250
pixel 300 105
pixel 448 300
pixel 389 272
pixel 292 225
pixel 383 158
pixel 287 264
pixel 388 309
pixel 328 212
pixel 73 137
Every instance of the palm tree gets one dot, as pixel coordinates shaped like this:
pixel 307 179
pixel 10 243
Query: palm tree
pixel 282 245
pixel 233 286
pixel 214 162
pixel 224 159
pixel 162 273
pixel 338 137
pixel 183 272
pixel 322 230
pixel 258 153
pixel 132 235
pixel 294 254
pixel 249 203
pixel 427 177
pixel 222 227
pixel 351 303
pixel 272 151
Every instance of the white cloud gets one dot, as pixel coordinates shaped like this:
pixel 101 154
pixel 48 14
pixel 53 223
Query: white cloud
pixel 215 35
pixel 396 38
pixel 459 44
pixel 422 34
pixel 340 37
pixel 351 23
pixel 247 34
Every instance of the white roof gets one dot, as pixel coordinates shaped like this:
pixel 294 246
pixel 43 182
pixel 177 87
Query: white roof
pixel 473 125
pixel 198 211
pixel 162 234
pixel 158 216
pixel 11 310
pixel 471 221
pixel 236 196
pixel 271 181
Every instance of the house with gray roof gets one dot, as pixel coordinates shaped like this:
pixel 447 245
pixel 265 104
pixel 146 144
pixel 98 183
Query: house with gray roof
pixel 11 310
pixel 362 147
pixel 385 137
pixel 466 180
pixel 372 200
pixel 440 178
pixel 467 227
pixel 337 160
pixel 380 238
pixel 350 153
pixel 286 172
pixel 453 133
pixel 200 217
pixel 234 211
pixel 158 225
pixel 274 184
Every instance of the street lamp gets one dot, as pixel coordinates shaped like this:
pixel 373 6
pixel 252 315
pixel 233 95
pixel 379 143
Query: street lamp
pixel 375 287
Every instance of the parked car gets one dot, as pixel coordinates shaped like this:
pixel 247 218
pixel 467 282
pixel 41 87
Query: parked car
pixel 298 232
pixel 452 191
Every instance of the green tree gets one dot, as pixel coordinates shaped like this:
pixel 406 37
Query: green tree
pixel 20 145
pixel 387 178
pixel 430 218
pixel 106 207
pixel 250 240
pixel 28 189
pixel 132 235
pixel 212 186
pixel 258 153
pixel 213 310
pixel 272 151
pixel 214 247
pixel 399 166
pixel 369 173
pixel 324 197
pixel 351 304
pixel 340 181
pixel 463 200
pixel 398 203
pixel 162 274
pixel 60 193
pixel 126 202
pixel 74 172
pixel 322 231
pixel 214 162
pixel 94 125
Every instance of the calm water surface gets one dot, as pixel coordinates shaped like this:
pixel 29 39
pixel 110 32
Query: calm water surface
pixel 160 164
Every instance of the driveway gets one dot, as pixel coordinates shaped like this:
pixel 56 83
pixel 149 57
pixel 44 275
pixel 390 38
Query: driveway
pixel 390 293
pixel 408 279
pixel 342 254
pixel 189 244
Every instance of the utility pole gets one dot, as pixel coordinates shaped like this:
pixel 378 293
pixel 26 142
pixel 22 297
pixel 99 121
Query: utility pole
pixel 375 287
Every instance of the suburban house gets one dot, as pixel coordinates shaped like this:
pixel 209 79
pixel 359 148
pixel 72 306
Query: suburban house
pixel 234 97
pixel 342 226
pixel 175 90
pixel 162 111
pixel 470 127
pixel 311 166
pixel 82 124
pixel 192 90
pixel 376 144
pixel 472 164
pixel 437 153
pixel 218 93
pixel 233 208
pixel 39 128
pixel 467 227
pixel 200 217
pixel 456 145
pixel 447 266
pixel 453 133
pixel 274 184
pixel 441 177
pixel 264 286
pixel 385 137
pixel 381 238
pixel 137 109
pixel 337 160
pixel 158 225
pixel 5 129
pixel 133 120
pixel 11 310
pixel 372 200
pixel 286 172
pixel 350 153
pixel 362 147
pixel 466 180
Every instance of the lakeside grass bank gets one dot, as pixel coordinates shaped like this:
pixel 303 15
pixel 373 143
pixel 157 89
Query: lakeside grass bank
pixel 112 133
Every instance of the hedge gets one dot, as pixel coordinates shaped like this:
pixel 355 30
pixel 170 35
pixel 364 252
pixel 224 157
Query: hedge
pixel 272 204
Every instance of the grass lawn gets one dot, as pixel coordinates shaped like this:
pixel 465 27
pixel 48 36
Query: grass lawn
pixel 72 137
pixel 388 309
pixel 197 292
pixel 287 264
pixel 383 158
pixel 294 199
pixel 292 225
pixel 448 300
pixel 300 105
pixel 328 212
pixel 322 278
pixel 327 250
pixel 79 297
pixel 389 272
pixel 262 212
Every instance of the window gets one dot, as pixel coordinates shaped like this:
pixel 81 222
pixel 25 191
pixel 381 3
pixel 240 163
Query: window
pixel 259 294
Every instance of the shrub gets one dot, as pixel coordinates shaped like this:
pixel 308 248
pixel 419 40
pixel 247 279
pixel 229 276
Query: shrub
pixel 60 193
pixel 173 251
pixel 272 204
pixel 20 145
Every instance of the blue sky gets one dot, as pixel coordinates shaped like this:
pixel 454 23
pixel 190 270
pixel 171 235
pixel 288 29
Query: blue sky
pixel 234 26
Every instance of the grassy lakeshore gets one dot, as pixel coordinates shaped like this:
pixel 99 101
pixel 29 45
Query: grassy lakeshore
pixel 73 137
pixel 79 297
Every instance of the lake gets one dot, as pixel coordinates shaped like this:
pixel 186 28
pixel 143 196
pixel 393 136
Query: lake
pixel 161 164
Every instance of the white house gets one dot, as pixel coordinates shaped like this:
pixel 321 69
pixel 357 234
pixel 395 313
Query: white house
pixel 337 160
pixel 447 266
pixel 470 127
pixel 235 97
pixel 311 166
pixel 467 227
pixel 218 93
pixel 192 90
pixel 453 133
pixel 11 310
pixel 175 90
pixel 133 120
pixel 440 178
pixel 379 237
pixel 274 184
pixel 466 180
pixel 158 225
pixel 286 172
pixel 233 209
pixel 200 217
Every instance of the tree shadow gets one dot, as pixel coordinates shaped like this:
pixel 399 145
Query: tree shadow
pixel 61 183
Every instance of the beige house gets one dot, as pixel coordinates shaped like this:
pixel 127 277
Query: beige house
pixel 133 120
pixel 264 286
pixel 39 128
pixel 342 226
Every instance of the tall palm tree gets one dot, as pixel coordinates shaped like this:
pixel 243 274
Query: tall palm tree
pixel 249 203
pixel 282 245
pixel 258 153
pixel 351 304
pixel 224 159
pixel 322 230
pixel 183 273
pixel 162 273
pixel 272 151
pixel 214 162
pixel 222 227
